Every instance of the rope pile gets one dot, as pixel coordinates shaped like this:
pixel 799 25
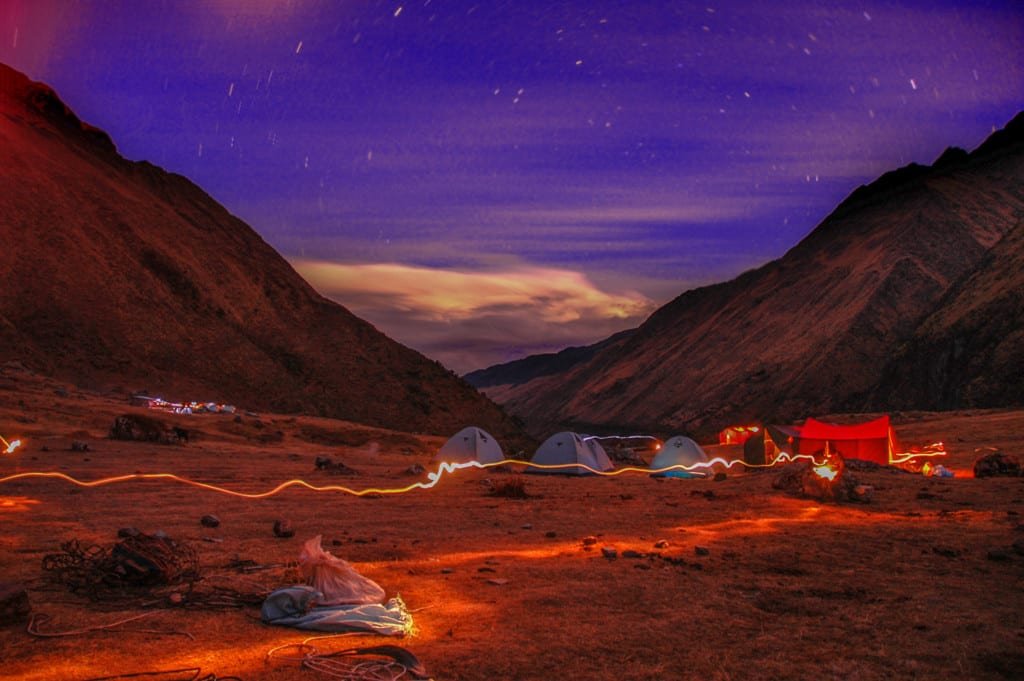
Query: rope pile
pixel 375 663
pixel 141 560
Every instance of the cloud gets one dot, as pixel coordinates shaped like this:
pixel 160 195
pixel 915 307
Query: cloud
pixel 471 319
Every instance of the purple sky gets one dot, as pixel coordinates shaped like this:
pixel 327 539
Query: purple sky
pixel 485 180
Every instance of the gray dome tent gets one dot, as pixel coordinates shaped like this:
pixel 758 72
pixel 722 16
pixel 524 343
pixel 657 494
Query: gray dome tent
pixel 680 451
pixel 574 452
pixel 470 444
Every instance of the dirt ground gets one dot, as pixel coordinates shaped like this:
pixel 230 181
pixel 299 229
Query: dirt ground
pixel 920 583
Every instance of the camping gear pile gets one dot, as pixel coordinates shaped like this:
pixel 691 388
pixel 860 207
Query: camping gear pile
pixel 337 598
pixel 824 479
pixel 137 560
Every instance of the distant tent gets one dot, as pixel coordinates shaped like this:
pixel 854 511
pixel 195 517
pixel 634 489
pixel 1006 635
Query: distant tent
pixel 871 441
pixel 470 444
pixel 764 447
pixel 737 435
pixel 679 451
pixel 569 448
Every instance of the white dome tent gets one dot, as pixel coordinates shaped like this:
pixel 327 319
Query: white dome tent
pixel 470 444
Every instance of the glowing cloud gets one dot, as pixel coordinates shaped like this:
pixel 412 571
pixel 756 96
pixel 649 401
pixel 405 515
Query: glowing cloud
pixel 469 319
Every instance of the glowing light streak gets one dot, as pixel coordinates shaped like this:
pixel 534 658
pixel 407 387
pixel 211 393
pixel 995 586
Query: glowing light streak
pixel 10 446
pixel 932 450
pixel 433 477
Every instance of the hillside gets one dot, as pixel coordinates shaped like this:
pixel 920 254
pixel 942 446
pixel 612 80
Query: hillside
pixel 813 331
pixel 121 276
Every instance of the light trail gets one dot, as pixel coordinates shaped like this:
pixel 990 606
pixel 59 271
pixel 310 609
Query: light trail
pixel 434 477
pixel 10 446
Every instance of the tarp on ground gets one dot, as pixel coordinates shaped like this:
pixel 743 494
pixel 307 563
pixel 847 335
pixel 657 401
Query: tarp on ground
pixel 295 606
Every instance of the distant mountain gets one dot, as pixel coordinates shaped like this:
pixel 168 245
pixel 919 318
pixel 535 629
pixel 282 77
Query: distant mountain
pixel 121 275
pixel 907 264
pixel 534 366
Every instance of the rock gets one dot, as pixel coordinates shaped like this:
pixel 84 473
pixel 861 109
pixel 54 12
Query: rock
pixel 945 551
pixel 720 476
pixel 128 532
pixel 14 604
pixel 322 462
pixel 550 535
pixel 238 418
pixel 336 542
pixel 609 552
pixel 641 566
pixel 998 555
pixel 60 392
pixel 176 598
pixel 702 550
pixel 925 495
pixel 497 581
pixel 446 571
pixel 1018 547
pixel 146 429
pixel 415 469
pixel 527 526
pixel 661 544
pixel 630 553
pixel 209 520
pixel 283 529
pixel 997 464
pixel 485 569
pixel 589 541
pixel 862 493
pixel 79 446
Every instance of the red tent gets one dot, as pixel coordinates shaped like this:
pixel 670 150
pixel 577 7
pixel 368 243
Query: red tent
pixel 870 441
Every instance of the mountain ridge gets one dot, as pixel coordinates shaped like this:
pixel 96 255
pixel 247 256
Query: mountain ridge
pixel 124 276
pixel 810 331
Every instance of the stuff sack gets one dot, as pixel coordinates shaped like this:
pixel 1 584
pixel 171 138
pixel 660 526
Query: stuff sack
pixel 335 578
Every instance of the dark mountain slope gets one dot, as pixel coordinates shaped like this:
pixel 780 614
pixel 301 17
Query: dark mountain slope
pixel 118 274
pixel 812 331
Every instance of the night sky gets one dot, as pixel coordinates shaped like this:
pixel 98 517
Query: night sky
pixel 485 180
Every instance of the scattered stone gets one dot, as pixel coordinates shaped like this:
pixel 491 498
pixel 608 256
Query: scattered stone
pixel 60 392
pixel 14 605
pixel 213 540
pixel 79 446
pixel 946 551
pixel 128 532
pixel 446 571
pixel 702 550
pixel 997 465
pixel 863 493
pixel 336 542
pixel 176 598
pixel 550 535
pixel 1018 547
pixel 238 418
pixel 641 566
pixel 44 448
pixel 630 553
pixel 146 429
pixel 625 497
pixel 527 526
pixel 497 581
pixel 925 495
pixel 323 463
pixel 160 534
pixel 589 541
pixel 415 469
pixel 485 569
pixel 609 552
pixel 209 520
pixel 283 529
pixel 998 555
pixel 720 476
pixel 706 493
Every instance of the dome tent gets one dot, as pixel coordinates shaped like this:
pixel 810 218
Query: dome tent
pixel 470 444
pixel 569 449
pixel 679 451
